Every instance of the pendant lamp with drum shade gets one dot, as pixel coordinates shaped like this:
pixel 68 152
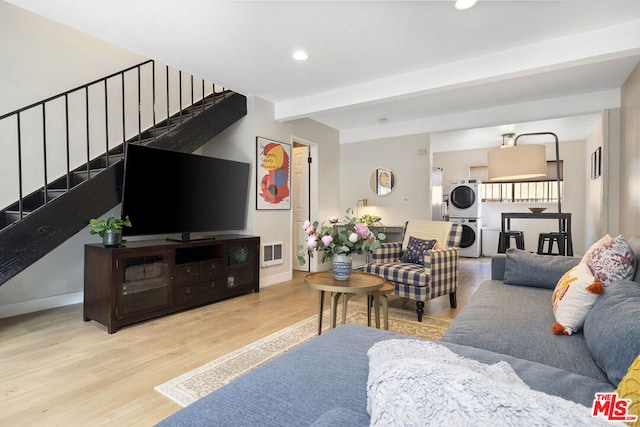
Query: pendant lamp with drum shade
pixel 513 162
pixel 517 162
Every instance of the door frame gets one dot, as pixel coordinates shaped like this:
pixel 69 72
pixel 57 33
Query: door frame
pixel 313 196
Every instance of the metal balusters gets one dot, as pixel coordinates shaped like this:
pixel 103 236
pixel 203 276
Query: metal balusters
pixel 167 100
pixel 124 117
pixel 70 107
pixel 192 109
pixel 44 151
pixel 180 92
pixel 153 97
pixel 139 107
pixel 66 116
pixel 106 125
pixel 202 94
pixel 86 104
pixel 20 201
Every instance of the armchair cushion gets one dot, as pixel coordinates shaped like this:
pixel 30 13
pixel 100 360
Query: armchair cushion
pixel 387 252
pixel 428 230
pixel 402 272
pixel 416 249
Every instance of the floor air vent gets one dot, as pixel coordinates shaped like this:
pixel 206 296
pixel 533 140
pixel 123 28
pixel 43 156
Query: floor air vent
pixel 271 254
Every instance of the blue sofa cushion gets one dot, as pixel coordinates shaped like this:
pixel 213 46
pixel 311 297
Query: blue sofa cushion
pixel 416 249
pixel 612 328
pixel 523 268
pixel 516 320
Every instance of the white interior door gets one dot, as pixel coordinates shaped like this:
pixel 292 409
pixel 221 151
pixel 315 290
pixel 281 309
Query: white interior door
pixel 300 199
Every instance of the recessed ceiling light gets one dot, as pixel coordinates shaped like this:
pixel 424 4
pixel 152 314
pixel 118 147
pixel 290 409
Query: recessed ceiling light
pixel 465 4
pixel 300 55
pixel 383 120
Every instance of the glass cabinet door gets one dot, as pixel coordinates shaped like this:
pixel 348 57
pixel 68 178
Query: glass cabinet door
pixel 240 273
pixel 143 283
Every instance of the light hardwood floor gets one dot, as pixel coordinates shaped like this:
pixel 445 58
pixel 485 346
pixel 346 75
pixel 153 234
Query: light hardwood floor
pixel 57 370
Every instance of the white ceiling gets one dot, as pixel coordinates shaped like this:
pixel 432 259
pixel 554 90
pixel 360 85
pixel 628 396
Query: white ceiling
pixel 467 76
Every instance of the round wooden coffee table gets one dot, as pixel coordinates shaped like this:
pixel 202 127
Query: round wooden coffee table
pixel 358 284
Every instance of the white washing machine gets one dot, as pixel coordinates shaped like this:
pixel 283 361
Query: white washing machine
pixel 464 199
pixel 471 244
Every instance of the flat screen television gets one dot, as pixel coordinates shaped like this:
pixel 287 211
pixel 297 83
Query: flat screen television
pixel 168 192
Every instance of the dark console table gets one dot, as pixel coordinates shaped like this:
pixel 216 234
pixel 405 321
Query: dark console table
pixel 150 278
pixel 563 218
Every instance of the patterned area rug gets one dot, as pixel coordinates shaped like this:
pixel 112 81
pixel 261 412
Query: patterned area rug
pixel 193 385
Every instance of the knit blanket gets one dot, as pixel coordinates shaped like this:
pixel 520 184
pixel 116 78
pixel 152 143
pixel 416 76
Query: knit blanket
pixel 420 383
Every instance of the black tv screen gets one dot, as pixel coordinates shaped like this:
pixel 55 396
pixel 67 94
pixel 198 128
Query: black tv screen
pixel 168 192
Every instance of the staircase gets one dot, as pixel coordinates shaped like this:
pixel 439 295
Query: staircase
pixel 45 218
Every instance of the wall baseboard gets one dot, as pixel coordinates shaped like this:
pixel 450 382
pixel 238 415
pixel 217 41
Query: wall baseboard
pixel 16 309
pixel 26 307
pixel 278 278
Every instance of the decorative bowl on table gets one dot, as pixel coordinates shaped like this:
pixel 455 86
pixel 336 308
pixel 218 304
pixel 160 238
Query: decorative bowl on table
pixel 537 210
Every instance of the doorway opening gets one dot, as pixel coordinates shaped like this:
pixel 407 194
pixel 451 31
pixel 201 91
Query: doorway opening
pixel 303 194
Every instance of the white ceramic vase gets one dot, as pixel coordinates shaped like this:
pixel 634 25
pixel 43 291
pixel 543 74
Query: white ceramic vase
pixel 342 266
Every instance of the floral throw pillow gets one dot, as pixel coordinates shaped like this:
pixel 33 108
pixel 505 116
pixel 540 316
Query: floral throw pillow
pixel 415 250
pixel 610 259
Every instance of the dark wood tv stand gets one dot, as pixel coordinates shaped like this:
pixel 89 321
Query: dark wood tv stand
pixel 145 279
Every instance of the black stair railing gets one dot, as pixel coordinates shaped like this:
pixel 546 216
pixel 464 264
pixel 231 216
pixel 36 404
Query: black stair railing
pixel 89 125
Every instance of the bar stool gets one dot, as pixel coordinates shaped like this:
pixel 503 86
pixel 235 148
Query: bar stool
pixel 386 289
pixel 505 243
pixel 562 241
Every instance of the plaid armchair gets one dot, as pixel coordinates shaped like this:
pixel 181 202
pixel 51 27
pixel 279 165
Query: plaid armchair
pixel 439 273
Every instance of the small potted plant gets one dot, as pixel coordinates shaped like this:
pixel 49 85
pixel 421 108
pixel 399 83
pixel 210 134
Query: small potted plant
pixel 109 229
pixel 370 220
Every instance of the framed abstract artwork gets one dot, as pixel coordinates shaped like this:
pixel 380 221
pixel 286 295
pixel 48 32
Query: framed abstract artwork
pixel 273 174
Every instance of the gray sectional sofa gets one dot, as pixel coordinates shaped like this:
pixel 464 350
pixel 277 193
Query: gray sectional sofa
pixel 324 382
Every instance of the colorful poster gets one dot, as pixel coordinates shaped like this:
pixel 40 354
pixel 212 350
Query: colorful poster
pixel 273 174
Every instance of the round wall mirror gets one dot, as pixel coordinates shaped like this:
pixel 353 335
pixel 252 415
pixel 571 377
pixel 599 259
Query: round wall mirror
pixel 382 181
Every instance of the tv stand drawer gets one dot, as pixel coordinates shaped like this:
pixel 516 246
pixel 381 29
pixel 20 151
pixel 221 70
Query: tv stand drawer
pixel 186 295
pixel 186 274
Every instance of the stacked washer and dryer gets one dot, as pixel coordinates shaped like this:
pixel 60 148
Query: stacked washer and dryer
pixel 465 207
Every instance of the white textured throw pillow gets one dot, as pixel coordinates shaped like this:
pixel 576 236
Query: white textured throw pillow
pixel 573 297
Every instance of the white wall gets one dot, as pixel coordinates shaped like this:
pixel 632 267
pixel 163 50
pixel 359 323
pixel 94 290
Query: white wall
pixel 629 162
pixel 275 225
pixel 51 57
pixel 593 195
pixel 408 157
